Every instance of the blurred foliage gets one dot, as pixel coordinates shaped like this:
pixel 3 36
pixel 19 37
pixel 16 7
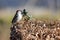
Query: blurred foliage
pixel 1 21
pixel 6 20
pixel 48 17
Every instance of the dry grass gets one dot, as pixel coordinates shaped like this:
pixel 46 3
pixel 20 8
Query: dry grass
pixel 36 30
pixel 7 15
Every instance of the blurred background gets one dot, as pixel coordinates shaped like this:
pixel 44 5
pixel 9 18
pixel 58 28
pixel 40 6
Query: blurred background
pixel 49 9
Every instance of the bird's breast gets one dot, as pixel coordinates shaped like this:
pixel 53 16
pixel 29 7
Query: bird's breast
pixel 19 17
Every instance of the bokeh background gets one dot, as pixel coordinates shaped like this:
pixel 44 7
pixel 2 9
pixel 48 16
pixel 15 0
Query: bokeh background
pixel 49 9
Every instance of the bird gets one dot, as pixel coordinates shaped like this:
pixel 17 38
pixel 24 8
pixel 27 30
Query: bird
pixel 18 16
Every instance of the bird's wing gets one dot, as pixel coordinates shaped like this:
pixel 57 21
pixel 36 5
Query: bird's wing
pixel 14 18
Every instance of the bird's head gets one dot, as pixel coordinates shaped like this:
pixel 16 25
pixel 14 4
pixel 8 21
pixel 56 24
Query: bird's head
pixel 18 12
